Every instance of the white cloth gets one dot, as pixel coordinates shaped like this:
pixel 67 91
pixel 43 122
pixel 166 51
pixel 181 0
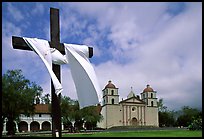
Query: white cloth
pixel 57 57
pixel 42 48
pixel 83 74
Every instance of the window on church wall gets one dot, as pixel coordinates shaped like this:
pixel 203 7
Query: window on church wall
pixel 151 95
pixel 112 101
pixel 133 109
pixel 152 103
pixel 112 92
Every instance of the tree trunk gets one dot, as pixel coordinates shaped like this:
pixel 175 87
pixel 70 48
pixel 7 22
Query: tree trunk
pixel 10 125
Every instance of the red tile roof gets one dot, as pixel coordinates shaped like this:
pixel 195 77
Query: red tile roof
pixel 42 108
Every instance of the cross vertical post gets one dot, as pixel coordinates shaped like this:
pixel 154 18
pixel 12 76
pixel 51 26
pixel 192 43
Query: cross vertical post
pixel 55 43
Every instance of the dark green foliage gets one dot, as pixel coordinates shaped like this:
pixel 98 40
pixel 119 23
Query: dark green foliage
pixel 166 119
pixel 46 99
pixel 18 96
pixel 69 110
pixel 91 116
pixel 196 124
pixel 187 116
pixel 88 116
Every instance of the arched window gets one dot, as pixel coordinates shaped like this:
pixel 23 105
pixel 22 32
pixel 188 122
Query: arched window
pixel 112 101
pixel 112 92
pixel 151 95
pixel 152 103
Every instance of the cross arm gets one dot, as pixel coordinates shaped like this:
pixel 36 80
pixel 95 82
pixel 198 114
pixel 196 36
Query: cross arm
pixel 19 43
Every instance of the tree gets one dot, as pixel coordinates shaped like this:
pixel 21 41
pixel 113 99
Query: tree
pixel 166 117
pixel 70 112
pixel 196 124
pixel 91 115
pixel 187 116
pixel 18 96
pixel 69 109
pixel 46 99
pixel 161 106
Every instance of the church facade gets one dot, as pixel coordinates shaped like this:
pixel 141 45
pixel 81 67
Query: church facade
pixel 134 111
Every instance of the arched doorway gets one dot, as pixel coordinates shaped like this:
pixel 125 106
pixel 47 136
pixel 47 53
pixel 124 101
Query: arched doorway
pixel 46 126
pixel 34 126
pixel 23 126
pixel 134 121
pixel 9 125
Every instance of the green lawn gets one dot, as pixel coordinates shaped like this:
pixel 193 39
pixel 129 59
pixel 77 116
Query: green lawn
pixel 138 133
pixel 141 133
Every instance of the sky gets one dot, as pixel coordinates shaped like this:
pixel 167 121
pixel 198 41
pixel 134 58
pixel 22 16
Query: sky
pixel 135 44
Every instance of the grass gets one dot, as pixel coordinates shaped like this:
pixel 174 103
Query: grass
pixel 136 133
pixel 141 133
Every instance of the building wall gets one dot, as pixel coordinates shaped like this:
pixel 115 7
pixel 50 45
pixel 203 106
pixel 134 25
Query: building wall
pixel 114 115
pixel 133 115
pixel 152 118
pixel 102 123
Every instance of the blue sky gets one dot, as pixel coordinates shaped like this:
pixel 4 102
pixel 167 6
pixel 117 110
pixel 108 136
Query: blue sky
pixel 135 44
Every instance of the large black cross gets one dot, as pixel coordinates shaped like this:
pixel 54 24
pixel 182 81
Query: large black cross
pixel 19 43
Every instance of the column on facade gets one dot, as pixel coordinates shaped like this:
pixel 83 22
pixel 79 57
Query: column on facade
pixel 29 126
pixel 41 125
pixel 4 129
pixel 126 115
pixel 16 126
pixel 130 115
pixel 141 115
pixel 138 116
pixel 144 116
pixel 62 126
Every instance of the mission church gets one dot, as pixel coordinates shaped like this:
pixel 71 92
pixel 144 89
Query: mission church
pixel 133 111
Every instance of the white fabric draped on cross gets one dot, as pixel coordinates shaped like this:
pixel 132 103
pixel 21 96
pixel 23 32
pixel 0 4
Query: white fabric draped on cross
pixel 83 74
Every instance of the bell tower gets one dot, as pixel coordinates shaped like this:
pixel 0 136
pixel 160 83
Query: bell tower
pixel 151 113
pixel 149 96
pixel 110 94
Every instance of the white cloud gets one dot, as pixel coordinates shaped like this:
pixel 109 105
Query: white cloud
pixel 38 9
pixel 14 12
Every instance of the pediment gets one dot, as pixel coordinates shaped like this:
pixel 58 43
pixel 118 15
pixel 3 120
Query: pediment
pixel 133 100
